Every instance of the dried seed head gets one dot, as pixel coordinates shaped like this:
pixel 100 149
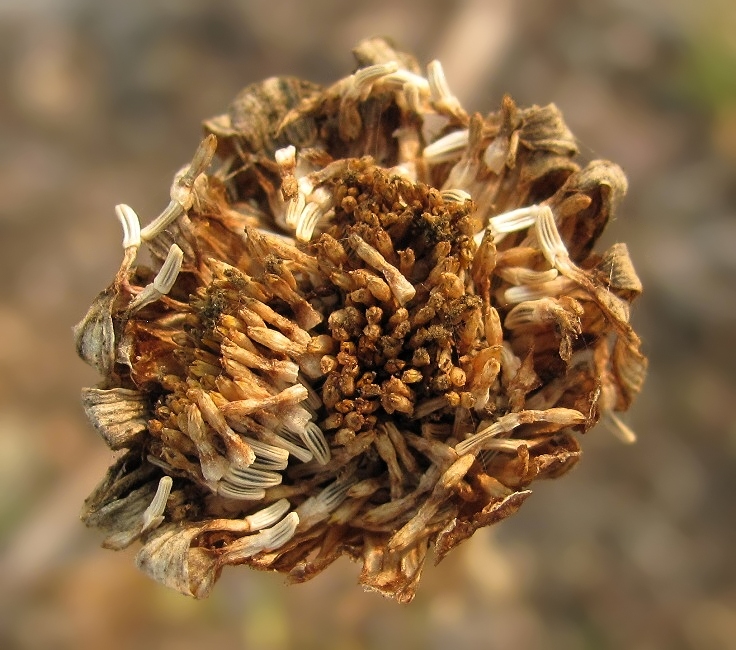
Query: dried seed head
pixel 360 335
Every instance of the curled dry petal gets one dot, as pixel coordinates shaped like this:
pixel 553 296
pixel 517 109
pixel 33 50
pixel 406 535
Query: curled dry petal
pixel 94 335
pixel 119 415
pixel 170 558
pixel 366 330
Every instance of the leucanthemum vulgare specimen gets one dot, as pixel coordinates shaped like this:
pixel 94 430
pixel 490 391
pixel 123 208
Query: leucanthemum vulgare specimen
pixel 371 320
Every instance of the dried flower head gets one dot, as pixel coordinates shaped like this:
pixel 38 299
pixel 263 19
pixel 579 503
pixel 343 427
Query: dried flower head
pixel 367 328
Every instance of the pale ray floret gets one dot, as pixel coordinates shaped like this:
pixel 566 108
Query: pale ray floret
pixel 440 90
pixel 294 209
pixel 455 196
pixel 530 312
pixel 138 513
pixel 154 514
pixel 559 315
pixel 551 243
pixel 286 159
pixel 297 200
pixel 162 282
pixel 239 492
pixel 264 540
pixel 616 309
pixel 519 275
pixel 131 225
pixel 173 211
pixel 559 418
pixel 280 533
pixel 318 507
pixel 318 205
pixel 514 221
pixel 290 441
pixel 552 288
pixel 268 457
pixel 361 82
pixel 314 439
pixel 282 201
pixel 251 523
pixel 182 195
pixel 413 93
pixel 252 478
pixel 267 516
pixel 448 147
pixel 410 83
pixel 511 445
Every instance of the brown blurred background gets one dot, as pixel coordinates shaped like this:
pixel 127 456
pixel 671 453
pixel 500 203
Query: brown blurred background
pixel 100 103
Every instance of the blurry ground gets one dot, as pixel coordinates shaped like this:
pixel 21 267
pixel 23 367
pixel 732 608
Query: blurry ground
pixel 100 103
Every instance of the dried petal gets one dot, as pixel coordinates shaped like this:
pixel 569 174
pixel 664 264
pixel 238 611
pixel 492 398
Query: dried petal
pixel 119 415
pixel 94 335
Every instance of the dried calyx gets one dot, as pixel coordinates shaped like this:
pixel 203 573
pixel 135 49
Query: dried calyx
pixel 368 333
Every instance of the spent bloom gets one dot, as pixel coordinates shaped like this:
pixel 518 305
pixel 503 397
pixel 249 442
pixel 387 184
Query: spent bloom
pixel 368 321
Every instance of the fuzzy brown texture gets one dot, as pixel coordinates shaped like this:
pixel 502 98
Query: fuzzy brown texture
pixel 359 350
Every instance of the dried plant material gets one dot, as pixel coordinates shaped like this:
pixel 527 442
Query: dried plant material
pixel 367 330
pixel 119 415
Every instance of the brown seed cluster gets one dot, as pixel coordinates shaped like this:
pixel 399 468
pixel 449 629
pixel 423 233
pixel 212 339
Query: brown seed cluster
pixel 371 322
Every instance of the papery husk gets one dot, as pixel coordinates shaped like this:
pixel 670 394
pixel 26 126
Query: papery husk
pixel 119 415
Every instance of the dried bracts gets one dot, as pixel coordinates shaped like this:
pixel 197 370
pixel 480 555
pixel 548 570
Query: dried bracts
pixel 371 320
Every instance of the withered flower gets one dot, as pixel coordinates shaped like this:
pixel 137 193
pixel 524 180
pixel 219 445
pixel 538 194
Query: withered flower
pixel 366 328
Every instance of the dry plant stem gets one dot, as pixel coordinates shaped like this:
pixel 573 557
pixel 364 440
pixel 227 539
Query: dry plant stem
pixel 368 328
